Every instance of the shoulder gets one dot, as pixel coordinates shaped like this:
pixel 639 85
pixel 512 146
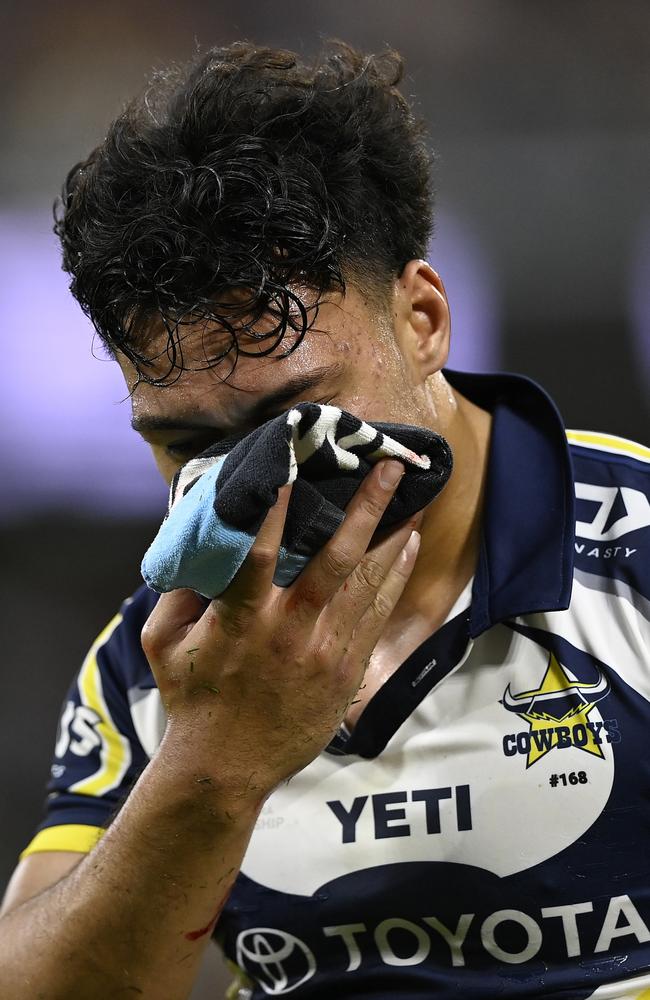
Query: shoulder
pixel 613 474
pixel 612 490
pixel 601 450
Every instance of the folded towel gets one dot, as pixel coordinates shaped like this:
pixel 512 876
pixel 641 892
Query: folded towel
pixel 219 499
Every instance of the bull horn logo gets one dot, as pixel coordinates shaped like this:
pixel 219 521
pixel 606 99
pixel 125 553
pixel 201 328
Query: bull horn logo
pixel 561 704
pixel 577 695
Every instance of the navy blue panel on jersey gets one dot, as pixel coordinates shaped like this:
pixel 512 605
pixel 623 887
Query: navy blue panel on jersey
pixel 527 552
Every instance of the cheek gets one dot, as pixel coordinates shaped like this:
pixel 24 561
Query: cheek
pixel 381 390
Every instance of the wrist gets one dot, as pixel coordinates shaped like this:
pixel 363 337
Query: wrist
pixel 206 778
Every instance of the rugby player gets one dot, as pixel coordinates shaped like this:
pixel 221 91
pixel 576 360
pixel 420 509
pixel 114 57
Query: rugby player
pixel 419 770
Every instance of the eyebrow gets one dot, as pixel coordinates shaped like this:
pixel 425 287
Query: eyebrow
pixel 293 387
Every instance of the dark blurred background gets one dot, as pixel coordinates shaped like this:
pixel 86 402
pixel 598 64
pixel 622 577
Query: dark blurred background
pixel 540 112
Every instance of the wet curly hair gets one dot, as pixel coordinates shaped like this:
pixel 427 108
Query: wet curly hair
pixel 232 182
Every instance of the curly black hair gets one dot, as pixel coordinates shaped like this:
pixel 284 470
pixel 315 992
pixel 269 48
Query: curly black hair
pixel 234 181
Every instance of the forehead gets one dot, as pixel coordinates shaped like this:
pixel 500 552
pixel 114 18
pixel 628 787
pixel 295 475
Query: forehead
pixel 230 393
pixel 351 348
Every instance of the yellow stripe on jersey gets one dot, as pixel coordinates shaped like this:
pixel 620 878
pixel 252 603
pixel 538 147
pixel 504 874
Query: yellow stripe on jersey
pixel 115 752
pixel 610 443
pixel 71 837
pixel 241 985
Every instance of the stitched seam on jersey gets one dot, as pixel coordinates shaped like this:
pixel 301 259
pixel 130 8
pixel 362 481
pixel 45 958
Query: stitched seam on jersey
pixel 115 752
pixel 76 837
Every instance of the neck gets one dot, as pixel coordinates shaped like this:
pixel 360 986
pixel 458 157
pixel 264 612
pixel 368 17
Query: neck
pixel 452 523
pixel 449 548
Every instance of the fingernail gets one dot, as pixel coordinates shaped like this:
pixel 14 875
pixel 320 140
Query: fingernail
pixel 411 548
pixel 390 474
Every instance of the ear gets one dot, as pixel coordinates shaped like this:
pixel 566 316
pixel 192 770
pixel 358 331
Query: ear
pixel 422 320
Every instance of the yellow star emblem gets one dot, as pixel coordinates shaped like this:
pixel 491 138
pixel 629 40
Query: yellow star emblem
pixel 544 724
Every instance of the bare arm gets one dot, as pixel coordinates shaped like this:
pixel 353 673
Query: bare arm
pixel 254 688
pixel 37 872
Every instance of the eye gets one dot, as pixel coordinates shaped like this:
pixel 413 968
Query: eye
pixel 182 451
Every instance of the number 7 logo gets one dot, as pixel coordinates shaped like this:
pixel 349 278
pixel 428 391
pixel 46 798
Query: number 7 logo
pixel 636 506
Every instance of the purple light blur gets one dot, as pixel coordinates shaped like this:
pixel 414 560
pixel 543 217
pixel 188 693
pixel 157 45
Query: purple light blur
pixel 68 441
pixel 473 295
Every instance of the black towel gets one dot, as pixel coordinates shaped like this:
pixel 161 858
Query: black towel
pixel 219 499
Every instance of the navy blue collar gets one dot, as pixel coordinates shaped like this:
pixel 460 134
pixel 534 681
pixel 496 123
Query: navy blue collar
pixel 527 547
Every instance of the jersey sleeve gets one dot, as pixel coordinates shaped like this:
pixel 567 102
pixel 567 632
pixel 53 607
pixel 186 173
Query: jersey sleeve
pixel 612 487
pixel 97 755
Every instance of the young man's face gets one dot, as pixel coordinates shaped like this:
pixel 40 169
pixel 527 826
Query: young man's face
pixel 354 358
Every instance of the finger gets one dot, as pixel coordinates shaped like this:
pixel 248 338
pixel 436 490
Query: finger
pixel 353 599
pixel 174 615
pixel 255 576
pixel 369 629
pixel 325 573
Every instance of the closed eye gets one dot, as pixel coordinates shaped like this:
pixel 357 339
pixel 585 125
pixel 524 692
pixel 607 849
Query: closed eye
pixel 182 451
pixel 187 448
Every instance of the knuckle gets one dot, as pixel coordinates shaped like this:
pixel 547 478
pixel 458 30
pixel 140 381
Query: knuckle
pixel 261 558
pixel 400 572
pixel 382 606
pixel 235 621
pixel 371 573
pixel 151 639
pixel 336 562
pixel 374 504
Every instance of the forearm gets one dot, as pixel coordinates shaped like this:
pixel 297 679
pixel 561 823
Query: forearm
pixel 134 917
pixel 254 687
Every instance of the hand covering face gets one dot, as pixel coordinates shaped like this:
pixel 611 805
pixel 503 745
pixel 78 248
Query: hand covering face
pixel 219 499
